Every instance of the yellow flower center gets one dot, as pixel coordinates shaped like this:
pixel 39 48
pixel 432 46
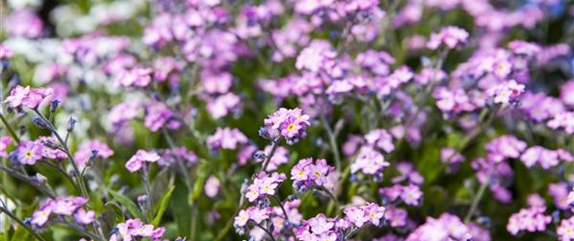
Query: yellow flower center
pixel 28 154
pixel 291 127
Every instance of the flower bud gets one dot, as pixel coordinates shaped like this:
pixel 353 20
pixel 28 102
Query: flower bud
pixel 39 122
pixel 92 158
pixel 49 144
pixel 54 105
pixel 259 156
pixel 71 124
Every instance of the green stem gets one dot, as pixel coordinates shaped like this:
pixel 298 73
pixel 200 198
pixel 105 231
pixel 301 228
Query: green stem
pixel 243 204
pixel 285 214
pixel 476 200
pixel 9 128
pixel 16 219
pixel 332 141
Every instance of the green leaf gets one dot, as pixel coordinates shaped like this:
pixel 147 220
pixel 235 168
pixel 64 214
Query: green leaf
pixel 127 203
pixel 20 234
pixel 181 207
pixel 162 206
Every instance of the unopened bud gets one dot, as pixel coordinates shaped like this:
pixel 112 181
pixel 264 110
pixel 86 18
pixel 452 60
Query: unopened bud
pixel 54 105
pixel 92 158
pixel 71 124
pixel 39 122
pixel 49 144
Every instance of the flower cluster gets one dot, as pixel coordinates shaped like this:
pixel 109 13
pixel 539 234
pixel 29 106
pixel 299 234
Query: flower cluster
pixel 450 36
pixel 28 97
pixel 137 161
pixel 133 229
pixel 409 194
pixel 63 206
pixel 226 138
pixel 289 124
pixel 566 229
pixel 305 174
pixel 544 157
pixel 445 227
pixel 528 219
pixel 369 213
pixel 86 150
pixel 264 185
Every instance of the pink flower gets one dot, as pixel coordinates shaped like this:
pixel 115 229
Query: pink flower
pixel 356 216
pixel 241 219
pixel 84 151
pixel 29 152
pixel 141 156
pixel 29 97
pixel 380 138
pixel 566 229
pixel 211 186
pixel 450 36
pixel 411 195
pixel 531 220
pixel 136 77
pixel 17 95
pixel 226 138
pixel 24 23
pixel 446 227
pixel 4 143
pixel 41 216
pixel 5 53
pixel 375 213
pixel 264 185
pixel 320 224
pixel 68 205
pixel 84 217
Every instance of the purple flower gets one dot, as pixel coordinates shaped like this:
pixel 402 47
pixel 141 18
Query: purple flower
pixel 223 105
pixel 369 161
pixel 504 147
pixel 396 217
pixel 450 36
pixel 411 195
pixel 319 224
pixel 29 97
pixel 135 77
pixel 567 93
pixel 24 23
pixel 306 173
pixel 41 216
pixel 84 151
pixel 506 92
pixel 381 139
pixel 84 217
pixel 68 205
pixel 158 115
pixel 446 227
pixel 211 186
pixel 566 229
pixel 563 121
pixel 29 152
pixel 291 124
pixel 241 218
pixel 531 220
pixel 559 191
pixel 226 138
pixel 264 185
pixel 4 143
pixel 135 163
pixel 5 53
